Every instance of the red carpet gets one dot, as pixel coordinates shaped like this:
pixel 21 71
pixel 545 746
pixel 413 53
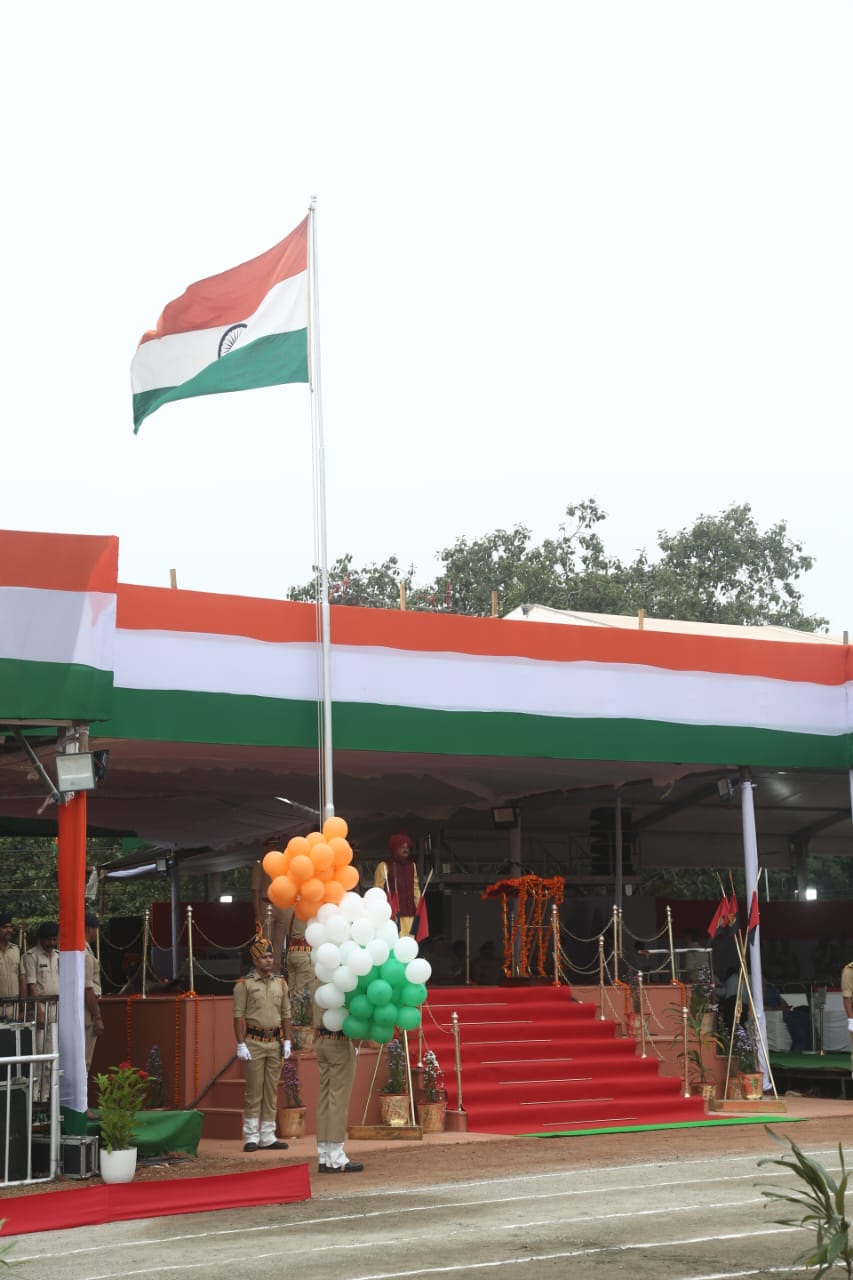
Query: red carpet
pixel 535 1061
pixel 88 1206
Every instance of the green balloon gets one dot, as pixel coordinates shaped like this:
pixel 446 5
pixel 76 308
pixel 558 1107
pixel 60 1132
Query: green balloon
pixel 356 1028
pixel 379 992
pixel 413 993
pixel 408 1018
pixel 393 971
pixel 364 981
pixel 360 1006
pixel 381 1034
pixel 386 1015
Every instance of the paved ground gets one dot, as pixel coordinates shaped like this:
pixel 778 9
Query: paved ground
pixel 667 1205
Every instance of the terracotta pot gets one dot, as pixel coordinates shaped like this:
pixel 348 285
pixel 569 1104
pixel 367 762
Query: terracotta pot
pixel 394 1108
pixel 751 1084
pixel 291 1122
pixel 303 1037
pixel 118 1166
pixel 431 1116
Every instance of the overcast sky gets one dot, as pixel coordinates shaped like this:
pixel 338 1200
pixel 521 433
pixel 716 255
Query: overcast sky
pixel 566 250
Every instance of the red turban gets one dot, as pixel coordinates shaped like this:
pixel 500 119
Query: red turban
pixel 396 842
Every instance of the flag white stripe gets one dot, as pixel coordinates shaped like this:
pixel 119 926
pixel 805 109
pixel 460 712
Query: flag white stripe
pixel 41 625
pixel 72 1035
pixel 174 359
pixel 208 663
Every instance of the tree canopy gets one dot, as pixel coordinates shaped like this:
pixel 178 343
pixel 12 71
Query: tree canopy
pixel 722 568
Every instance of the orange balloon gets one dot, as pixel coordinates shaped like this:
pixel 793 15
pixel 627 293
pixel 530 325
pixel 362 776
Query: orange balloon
pixel 312 890
pixel 322 856
pixel 347 876
pixel 297 844
pixel 315 837
pixel 341 851
pixel 301 868
pixel 272 863
pixel 335 827
pixel 334 892
pixel 305 910
pixel 326 875
pixel 282 891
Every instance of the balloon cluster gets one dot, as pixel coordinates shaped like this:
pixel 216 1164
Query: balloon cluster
pixel 372 980
pixel 312 871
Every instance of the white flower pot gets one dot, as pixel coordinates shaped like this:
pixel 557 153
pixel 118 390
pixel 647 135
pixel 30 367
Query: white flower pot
pixel 118 1166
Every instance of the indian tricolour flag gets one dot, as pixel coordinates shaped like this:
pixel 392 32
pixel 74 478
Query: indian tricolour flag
pixel 245 328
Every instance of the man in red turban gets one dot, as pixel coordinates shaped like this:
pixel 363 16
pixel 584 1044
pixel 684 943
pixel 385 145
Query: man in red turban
pixel 399 878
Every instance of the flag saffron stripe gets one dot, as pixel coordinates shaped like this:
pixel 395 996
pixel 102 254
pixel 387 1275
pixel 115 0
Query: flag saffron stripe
pixel 59 562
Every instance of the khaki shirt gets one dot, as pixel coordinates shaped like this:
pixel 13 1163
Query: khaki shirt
pixel 92 976
pixel 41 970
pixel 261 999
pixel 10 969
pixel 847 981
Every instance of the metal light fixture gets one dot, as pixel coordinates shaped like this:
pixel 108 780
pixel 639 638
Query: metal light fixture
pixel 75 772
pixel 507 816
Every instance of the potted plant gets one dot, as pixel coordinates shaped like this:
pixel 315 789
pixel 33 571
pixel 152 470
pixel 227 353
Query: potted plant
pixel 433 1109
pixel 291 1117
pixel 394 1097
pixel 122 1091
pixel 701 1008
pixel 745 1059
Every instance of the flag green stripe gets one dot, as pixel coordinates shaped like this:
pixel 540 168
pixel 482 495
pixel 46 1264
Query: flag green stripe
pixel 53 691
pixel 180 716
pixel 267 362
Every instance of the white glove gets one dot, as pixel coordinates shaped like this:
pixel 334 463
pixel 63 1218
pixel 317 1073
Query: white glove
pixel 285 1049
pixel 243 1052
pixel 850 1024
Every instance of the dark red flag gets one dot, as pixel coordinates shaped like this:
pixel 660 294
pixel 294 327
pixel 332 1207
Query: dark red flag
pixel 715 928
pixel 420 924
pixel 731 922
pixel 753 917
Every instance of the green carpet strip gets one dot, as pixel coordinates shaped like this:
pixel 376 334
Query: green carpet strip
pixel 681 1124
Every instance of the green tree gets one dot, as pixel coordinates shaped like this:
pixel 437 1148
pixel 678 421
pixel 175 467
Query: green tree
pixel 721 569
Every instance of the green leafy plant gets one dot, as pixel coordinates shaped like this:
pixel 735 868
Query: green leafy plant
pixel 122 1091
pixel 822 1200
pixel 290 1083
pixel 743 1049
pixel 432 1078
pixel 397 1081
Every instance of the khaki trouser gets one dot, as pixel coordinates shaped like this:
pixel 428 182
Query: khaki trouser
pixel 336 1065
pixel 262 1077
pixel 300 972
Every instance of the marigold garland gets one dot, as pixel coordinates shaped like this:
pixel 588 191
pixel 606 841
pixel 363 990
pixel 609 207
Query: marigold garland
pixel 526 934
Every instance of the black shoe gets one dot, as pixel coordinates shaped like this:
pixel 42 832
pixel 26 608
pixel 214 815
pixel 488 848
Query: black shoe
pixel 278 1145
pixel 250 1146
pixel 326 1168
pixel 352 1166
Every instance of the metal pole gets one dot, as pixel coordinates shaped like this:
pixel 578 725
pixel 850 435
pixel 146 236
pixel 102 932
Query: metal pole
pixel 643 1053
pixel 601 976
pixel 190 946
pixel 145 919
pixel 686 1085
pixel 555 934
pixel 671 943
pixel 458 1055
pixel 750 862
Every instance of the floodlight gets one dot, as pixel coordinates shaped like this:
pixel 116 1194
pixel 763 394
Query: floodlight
pixel 75 772
pixel 506 816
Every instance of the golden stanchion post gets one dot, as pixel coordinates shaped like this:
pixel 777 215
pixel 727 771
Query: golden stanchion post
pixel 671 944
pixel 601 976
pixel 145 936
pixel 555 933
pixel 643 1053
pixel 409 1079
pixel 190 948
pixel 615 943
pixel 686 1089
pixel 457 1121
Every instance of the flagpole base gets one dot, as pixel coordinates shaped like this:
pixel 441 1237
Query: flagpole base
pixel 456 1121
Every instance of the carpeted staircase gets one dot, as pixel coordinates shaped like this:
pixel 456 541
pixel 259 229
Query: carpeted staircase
pixel 536 1061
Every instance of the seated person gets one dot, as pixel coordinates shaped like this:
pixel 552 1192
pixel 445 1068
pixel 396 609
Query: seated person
pixel 488 970
pixel 796 1019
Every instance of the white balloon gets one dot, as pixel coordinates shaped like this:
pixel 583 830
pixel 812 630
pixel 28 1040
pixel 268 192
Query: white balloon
pixel 352 905
pixel 328 956
pixel 346 949
pixel 329 996
pixel 406 949
pixel 374 895
pixel 344 979
pixel 324 973
pixel 388 932
pixel 359 962
pixel 362 931
pixel 378 951
pixel 338 928
pixel 315 934
pixel 327 912
pixel 418 970
pixel 333 1019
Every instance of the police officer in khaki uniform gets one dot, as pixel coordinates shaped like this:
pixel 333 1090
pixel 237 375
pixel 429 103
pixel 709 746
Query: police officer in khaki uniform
pixel 40 967
pixel 12 985
pixel 335 1054
pixel 92 1020
pixel 261 1009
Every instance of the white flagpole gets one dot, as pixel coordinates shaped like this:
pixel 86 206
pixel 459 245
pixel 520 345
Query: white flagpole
pixel 328 800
